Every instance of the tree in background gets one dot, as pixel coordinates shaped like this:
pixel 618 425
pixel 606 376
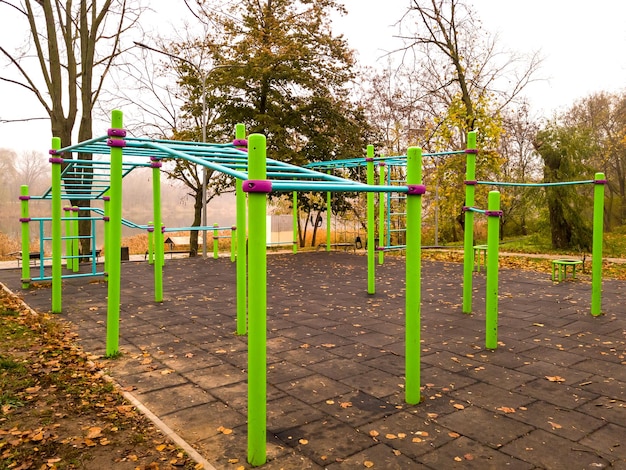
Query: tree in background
pixel 72 47
pixel 566 153
pixel 282 73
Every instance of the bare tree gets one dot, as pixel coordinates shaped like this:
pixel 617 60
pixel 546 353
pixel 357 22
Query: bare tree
pixel 32 169
pixel 73 45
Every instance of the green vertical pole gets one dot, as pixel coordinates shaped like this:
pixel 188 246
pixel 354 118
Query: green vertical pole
pixel 233 243
pixel 242 258
pixel 115 235
pixel 67 213
pixel 491 296
pixel 328 217
pixel 468 248
pixel 107 232
pixel 598 235
pixel 216 241
pixel 25 222
pixel 294 209
pixel 150 242
pixel 413 275
pixel 371 221
pixel 381 215
pixel 75 240
pixel 159 255
pixel 257 305
pixel 57 242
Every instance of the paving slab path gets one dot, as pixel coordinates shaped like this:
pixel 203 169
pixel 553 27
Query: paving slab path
pixel 552 395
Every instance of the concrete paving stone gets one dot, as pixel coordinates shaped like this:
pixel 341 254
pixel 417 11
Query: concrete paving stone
pixel 192 424
pixel 152 377
pixel 443 379
pixel 329 340
pixel 607 386
pixel 410 432
pixel 498 376
pixel 279 344
pixel 464 453
pixel 189 359
pixel 604 368
pixel 236 395
pixel 605 408
pixel 288 412
pixel 490 397
pixel 377 383
pixel 445 360
pixel 553 356
pixel 546 450
pixel 489 428
pixel 545 369
pixel 377 340
pixel 392 363
pixel 378 456
pixel 318 321
pixel 556 393
pixel 300 332
pixel 395 329
pixel 314 388
pixel 356 408
pixel 397 348
pixel 279 372
pixel 215 376
pixel 571 424
pixel 357 351
pixel 339 368
pixel 326 440
pixel 307 354
pixel 175 397
pixel 609 440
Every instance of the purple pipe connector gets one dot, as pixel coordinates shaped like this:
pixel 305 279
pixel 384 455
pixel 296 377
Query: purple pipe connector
pixel 471 150
pixel 257 186
pixel 25 219
pixel 601 181
pixel 240 143
pixel 116 142
pixel 116 132
pixel 24 198
pixel 416 189
pixel 471 182
pixel 493 213
pixel 55 160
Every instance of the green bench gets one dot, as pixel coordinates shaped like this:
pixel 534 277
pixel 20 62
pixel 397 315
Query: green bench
pixel 559 268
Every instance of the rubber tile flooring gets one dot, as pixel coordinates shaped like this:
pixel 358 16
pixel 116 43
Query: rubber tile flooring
pixel 551 396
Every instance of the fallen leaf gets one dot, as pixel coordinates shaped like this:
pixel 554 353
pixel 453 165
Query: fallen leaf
pixel 506 409
pixel 368 464
pixel 417 439
pixel 374 433
pixel 555 378
pixel 458 459
pixel 330 402
pixel 328 345
pixel 345 404
pixel 468 457
pixel 233 460
pixel 555 425
pixel 391 436
pixel 161 447
pixel 396 452
pixel 458 406
pixel 94 432
pixel 454 435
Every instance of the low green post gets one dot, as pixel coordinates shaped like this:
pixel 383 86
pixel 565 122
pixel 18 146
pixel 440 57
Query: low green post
pixel 150 242
pixel 491 297
pixel 242 257
pixel 413 275
pixel 216 241
pixel 233 243
pixel 598 235
pixel 57 242
pixel 294 212
pixel 381 214
pixel 75 240
pixel 257 301
pixel 468 246
pixel 25 223
pixel 107 232
pixel 329 209
pixel 115 234
pixel 159 255
pixel 67 211
pixel 371 221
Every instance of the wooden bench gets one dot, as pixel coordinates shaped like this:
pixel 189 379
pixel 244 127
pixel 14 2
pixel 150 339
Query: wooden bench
pixel 33 257
pixel 559 268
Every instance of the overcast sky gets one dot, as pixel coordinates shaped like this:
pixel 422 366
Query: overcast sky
pixel 583 44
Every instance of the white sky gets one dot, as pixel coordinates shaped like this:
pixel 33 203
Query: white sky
pixel 582 42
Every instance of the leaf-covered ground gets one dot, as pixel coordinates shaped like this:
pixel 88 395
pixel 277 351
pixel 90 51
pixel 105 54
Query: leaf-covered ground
pixel 58 411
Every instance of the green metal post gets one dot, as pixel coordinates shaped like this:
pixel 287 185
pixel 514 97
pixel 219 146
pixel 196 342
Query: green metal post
pixel 242 258
pixel 57 242
pixel 413 276
pixel 371 221
pixel 294 206
pixel 470 192
pixel 25 222
pixel 233 243
pixel 159 255
pixel 75 240
pixel 115 242
pixel 67 213
pixel 598 235
pixel 381 214
pixel 150 242
pixel 216 241
pixel 328 217
pixel 257 306
pixel 107 232
pixel 491 296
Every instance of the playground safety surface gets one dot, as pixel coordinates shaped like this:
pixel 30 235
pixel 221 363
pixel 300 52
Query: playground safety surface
pixel 552 395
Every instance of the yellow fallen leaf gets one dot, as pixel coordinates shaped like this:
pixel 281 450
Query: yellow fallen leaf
pixel 396 452
pixel 374 433
pixel 94 432
pixel 89 443
pixel 468 457
pixel 555 425
pixel 391 436
pixel 233 460
pixel 330 402
pixel 303 442
pixel 555 378
pixel 458 459
pixel 401 435
pixel 161 447
pixel 458 406
pixel 368 464
pixel 417 439
pixel 454 435
pixel 345 404
pixel 506 409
